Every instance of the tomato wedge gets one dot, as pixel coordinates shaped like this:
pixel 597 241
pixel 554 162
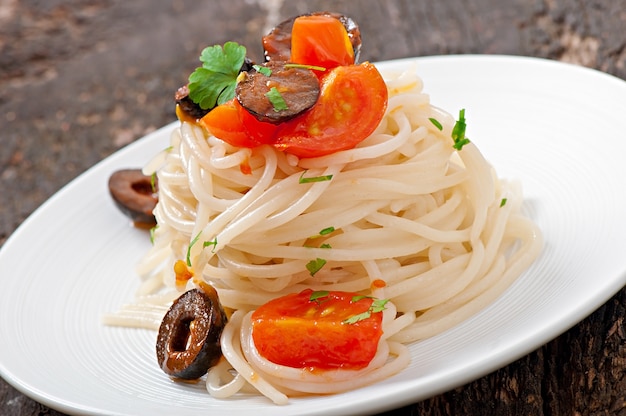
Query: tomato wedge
pixel 320 41
pixel 352 102
pixel 320 330
pixel 236 126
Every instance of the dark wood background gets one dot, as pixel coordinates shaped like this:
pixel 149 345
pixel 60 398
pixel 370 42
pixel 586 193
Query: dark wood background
pixel 79 79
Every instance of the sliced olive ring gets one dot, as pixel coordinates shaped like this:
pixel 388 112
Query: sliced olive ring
pixel 299 89
pixel 277 43
pixel 186 104
pixel 135 194
pixel 188 343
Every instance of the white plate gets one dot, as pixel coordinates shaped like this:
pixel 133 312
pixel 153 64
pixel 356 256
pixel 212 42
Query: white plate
pixel 556 127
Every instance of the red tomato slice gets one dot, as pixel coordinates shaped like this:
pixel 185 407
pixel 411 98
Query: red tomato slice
pixel 236 126
pixel 299 332
pixel 320 41
pixel 352 102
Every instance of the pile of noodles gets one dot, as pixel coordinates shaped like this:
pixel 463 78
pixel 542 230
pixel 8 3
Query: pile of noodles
pixel 436 225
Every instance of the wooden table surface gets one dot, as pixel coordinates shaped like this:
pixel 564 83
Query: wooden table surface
pixel 79 79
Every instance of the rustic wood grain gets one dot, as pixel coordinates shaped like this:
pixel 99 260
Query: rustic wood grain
pixel 80 79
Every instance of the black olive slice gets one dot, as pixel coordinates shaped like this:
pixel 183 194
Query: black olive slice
pixel 135 195
pixel 277 43
pixel 188 343
pixel 298 87
pixel 186 104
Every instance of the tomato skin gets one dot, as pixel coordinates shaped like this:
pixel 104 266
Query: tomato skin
pixel 236 126
pixel 352 102
pixel 321 41
pixel 224 123
pixel 297 332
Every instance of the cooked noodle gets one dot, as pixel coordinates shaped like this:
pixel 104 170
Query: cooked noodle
pixel 406 207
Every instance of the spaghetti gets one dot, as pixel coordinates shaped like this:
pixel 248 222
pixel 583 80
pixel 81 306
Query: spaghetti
pixel 403 216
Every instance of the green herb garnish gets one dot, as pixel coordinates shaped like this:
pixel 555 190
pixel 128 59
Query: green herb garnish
pixel 503 202
pixel 194 241
pixel 277 100
pixel 315 266
pixel 263 70
pixel 204 245
pixel 325 245
pixel 436 123
pixel 314 178
pixel 152 231
pixel 458 132
pixel 323 232
pixel 211 243
pixel 305 66
pixel 327 230
pixel 214 82
pixel 153 181
pixel 318 294
pixel 377 306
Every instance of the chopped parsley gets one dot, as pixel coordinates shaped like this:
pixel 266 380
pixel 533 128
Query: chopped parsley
pixel 503 202
pixel 327 230
pixel 318 294
pixel 263 70
pixel 277 100
pixel 314 178
pixel 458 132
pixel 377 306
pixel 315 266
pixel 305 66
pixel 436 123
pixel 214 82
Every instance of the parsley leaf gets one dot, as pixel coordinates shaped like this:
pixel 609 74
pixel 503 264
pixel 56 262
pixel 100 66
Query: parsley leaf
pixel 318 294
pixel 315 266
pixel 358 317
pixel 327 230
pixel 503 202
pixel 263 70
pixel 323 232
pixel 377 306
pixel 458 132
pixel 277 100
pixel 214 82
